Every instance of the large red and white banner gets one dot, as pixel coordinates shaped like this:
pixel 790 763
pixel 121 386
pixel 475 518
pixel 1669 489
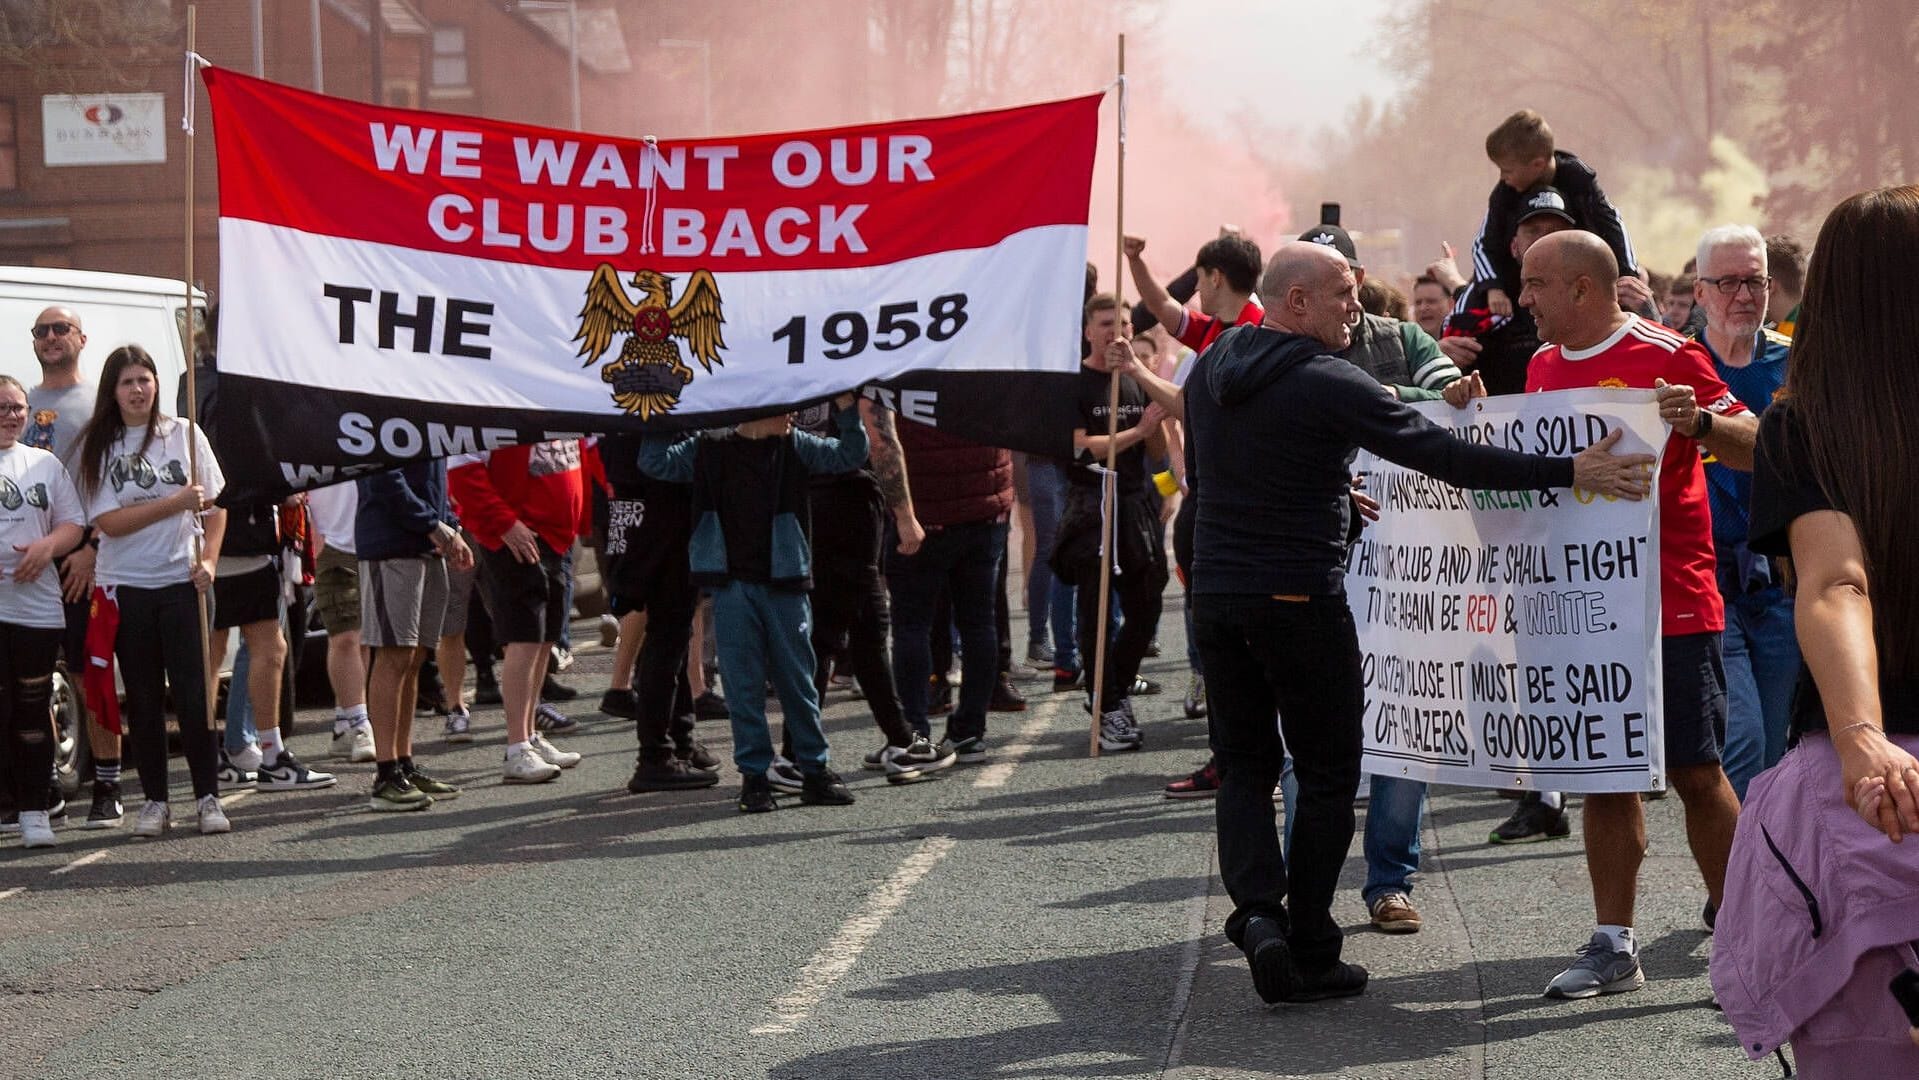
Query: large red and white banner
pixel 398 284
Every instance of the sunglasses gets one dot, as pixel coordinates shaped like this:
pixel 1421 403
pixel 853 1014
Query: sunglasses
pixel 41 330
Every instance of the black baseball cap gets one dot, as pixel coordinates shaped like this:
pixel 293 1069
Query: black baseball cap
pixel 1333 237
pixel 1544 199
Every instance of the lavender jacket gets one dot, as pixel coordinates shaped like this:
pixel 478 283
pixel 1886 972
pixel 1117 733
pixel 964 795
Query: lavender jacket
pixel 1820 912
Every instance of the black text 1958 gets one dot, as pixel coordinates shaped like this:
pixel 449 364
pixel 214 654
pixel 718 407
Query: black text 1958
pixel 846 334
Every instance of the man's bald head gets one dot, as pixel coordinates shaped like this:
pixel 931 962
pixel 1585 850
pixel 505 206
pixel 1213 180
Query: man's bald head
pixel 1298 263
pixel 1570 282
pixel 1309 289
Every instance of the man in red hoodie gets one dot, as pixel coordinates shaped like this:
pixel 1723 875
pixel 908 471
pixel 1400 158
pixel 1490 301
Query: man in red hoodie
pixel 526 505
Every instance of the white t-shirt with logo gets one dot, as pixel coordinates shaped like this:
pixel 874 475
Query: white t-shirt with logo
pixel 162 553
pixel 36 496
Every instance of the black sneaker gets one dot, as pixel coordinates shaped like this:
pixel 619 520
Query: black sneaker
pixel 1270 959
pixel 972 748
pixel 710 706
pixel 106 812
pixel 555 690
pixel 1065 679
pixel 671 774
pixel 1006 698
pixel 56 804
pixel 696 754
pixel 1340 980
pixel 1710 915
pixel 1531 821
pixel 825 788
pixel 621 703
pixel 1143 685
pixel 486 689
pixel 756 796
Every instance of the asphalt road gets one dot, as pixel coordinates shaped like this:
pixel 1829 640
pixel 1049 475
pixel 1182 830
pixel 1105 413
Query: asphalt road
pixel 1039 915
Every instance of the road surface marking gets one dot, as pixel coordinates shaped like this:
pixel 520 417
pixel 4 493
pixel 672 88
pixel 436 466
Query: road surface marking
pixel 831 963
pixel 1009 757
pixel 89 857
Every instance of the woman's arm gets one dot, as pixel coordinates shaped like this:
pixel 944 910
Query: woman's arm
pixel 1834 618
pixel 131 519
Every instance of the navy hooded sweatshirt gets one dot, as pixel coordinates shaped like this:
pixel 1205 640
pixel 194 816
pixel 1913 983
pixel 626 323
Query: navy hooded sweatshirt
pixel 1273 423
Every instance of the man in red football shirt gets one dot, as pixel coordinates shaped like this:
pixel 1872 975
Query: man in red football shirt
pixel 1569 286
pixel 1227 269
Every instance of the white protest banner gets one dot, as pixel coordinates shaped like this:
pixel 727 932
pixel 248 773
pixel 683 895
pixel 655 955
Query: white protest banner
pixel 398 284
pixel 1511 638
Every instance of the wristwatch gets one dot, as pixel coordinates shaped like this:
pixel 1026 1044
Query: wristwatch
pixel 1704 427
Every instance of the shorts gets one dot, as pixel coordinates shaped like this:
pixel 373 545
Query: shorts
pixel 459 593
pixel 526 601
pixel 73 644
pixel 1695 698
pixel 245 599
pixel 402 602
pixel 336 591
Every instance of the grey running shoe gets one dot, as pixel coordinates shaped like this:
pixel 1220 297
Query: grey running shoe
pixel 1600 969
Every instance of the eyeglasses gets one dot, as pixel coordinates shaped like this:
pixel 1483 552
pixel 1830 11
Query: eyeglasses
pixel 13 410
pixel 1730 286
pixel 41 330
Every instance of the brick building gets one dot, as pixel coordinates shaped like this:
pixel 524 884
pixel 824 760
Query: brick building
pixel 91 147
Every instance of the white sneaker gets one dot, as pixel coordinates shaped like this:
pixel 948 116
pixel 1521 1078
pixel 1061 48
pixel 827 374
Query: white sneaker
pixel 155 819
pixel 562 658
pixel 907 763
pixel 609 631
pixel 551 754
pixel 353 744
pixel 213 819
pixel 459 726
pixel 247 760
pixel 36 829
pixel 528 767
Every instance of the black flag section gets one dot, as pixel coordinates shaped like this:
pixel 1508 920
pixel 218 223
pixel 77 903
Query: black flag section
pixel 275 438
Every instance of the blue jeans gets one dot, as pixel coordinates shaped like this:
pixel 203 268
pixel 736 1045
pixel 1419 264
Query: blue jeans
pixel 1392 836
pixel 240 732
pixel 1762 668
pixel 764 634
pixel 963 562
pixel 1047 597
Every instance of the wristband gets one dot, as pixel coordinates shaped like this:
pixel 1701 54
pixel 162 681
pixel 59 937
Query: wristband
pixel 1165 482
pixel 1705 424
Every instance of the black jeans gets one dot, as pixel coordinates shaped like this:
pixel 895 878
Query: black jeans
pixel 849 600
pixel 27 654
pixel 1299 659
pixel 159 646
pixel 659 678
pixel 964 559
pixel 1139 595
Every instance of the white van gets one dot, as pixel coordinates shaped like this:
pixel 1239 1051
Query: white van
pixel 114 310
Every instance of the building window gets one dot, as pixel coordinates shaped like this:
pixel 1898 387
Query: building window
pixel 9 148
pixel 449 57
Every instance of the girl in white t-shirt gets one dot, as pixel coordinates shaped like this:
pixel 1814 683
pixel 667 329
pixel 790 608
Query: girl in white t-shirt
pixel 40 520
pixel 160 538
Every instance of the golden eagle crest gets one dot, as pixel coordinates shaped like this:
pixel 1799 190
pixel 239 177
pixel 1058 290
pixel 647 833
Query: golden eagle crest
pixel 650 373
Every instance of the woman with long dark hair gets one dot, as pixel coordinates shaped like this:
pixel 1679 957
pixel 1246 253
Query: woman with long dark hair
pixel 40 521
pixel 160 540
pixel 1822 895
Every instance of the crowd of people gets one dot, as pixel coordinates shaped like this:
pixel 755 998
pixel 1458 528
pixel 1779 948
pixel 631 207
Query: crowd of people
pixel 843 546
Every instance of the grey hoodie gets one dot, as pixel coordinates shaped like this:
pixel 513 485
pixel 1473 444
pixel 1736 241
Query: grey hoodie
pixel 1273 422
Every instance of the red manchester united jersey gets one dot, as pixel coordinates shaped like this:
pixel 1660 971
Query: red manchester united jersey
pixel 1198 329
pixel 1636 356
